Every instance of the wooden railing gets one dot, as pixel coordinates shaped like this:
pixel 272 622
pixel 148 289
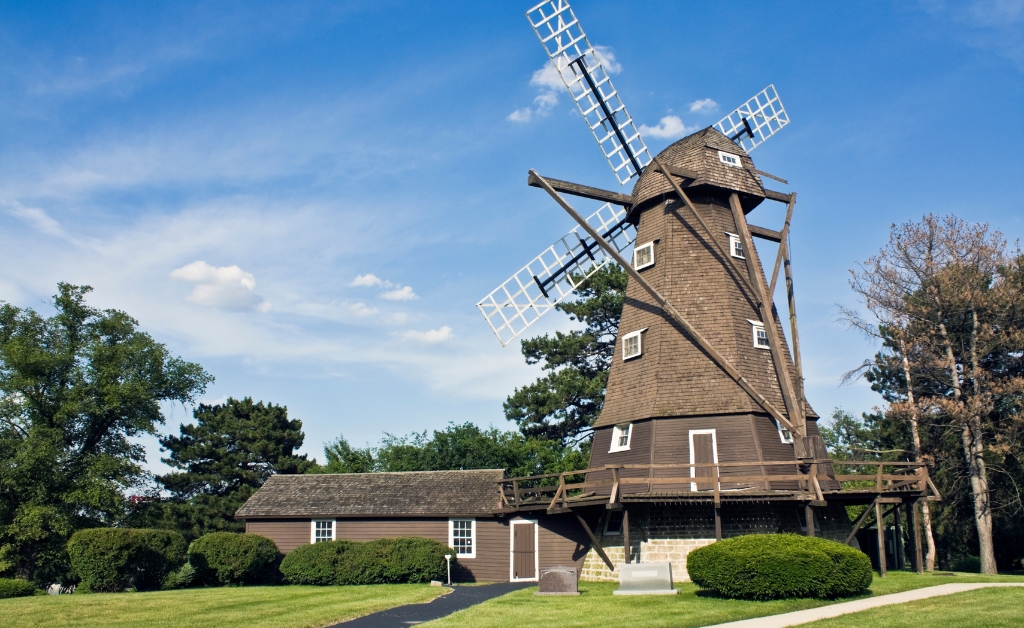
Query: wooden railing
pixel 803 478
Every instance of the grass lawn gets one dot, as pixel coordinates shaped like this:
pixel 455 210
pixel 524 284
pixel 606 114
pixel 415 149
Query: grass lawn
pixel 596 606
pixel 242 607
pixel 985 608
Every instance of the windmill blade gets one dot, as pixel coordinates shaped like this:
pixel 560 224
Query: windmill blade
pixel 755 120
pixel 591 89
pixel 554 274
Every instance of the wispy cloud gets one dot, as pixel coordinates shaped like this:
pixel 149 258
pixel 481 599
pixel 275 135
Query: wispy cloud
pixel 395 292
pixel 36 218
pixel 432 336
pixel 703 105
pixel 669 127
pixel 404 293
pixel 368 281
pixel 227 287
pixel 550 85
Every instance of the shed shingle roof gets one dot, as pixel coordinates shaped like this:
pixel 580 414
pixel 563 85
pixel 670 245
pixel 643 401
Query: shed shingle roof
pixel 406 494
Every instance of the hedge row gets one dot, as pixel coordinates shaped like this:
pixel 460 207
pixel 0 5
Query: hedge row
pixel 382 561
pixel 226 558
pixel 115 559
pixel 773 566
pixel 10 587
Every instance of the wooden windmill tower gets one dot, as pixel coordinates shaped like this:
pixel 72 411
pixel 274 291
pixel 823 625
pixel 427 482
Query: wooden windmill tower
pixel 702 372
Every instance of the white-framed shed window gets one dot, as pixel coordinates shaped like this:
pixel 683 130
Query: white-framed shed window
pixel 735 246
pixel 321 530
pixel 729 159
pixel 621 435
pixel 784 434
pixel 632 344
pixel 462 537
pixel 760 335
pixel 643 256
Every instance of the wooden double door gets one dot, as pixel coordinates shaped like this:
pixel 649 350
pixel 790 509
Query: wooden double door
pixel 523 550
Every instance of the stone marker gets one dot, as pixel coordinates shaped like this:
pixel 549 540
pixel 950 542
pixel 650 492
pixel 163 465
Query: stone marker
pixel 645 579
pixel 558 581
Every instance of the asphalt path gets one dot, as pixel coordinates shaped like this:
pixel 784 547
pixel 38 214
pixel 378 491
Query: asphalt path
pixel 460 598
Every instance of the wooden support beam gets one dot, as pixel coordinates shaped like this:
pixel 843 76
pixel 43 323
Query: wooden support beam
pixel 765 234
pixel 794 331
pixel 897 537
pixel 595 542
pixel 772 195
pixel 783 242
pixel 626 549
pixel 809 518
pixel 585 191
pixel 789 397
pixel 881 539
pixel 722 362
pixel 860 522
pixel 718 522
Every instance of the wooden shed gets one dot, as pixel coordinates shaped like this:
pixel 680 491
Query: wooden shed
pixel 454 507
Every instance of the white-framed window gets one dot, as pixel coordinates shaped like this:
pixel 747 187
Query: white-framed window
pixel 729 159
pixel 632 344
pixel 784 434
pixel 621 434
pixel 759 334
pixel 321 530
pixel 735 246
pixel 643 256
pixel 462 537
pixel 613 523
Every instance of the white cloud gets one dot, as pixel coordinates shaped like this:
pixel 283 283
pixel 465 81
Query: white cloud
pixel 37 219
pixel 702 105
pixel 227 287
pixel 360 309
pixel 669 127
pixel 404 293
pixel 368 281
pixel 431 336
pixel 550 84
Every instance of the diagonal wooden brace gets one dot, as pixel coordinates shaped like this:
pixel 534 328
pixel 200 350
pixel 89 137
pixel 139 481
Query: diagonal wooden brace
pixel 719 359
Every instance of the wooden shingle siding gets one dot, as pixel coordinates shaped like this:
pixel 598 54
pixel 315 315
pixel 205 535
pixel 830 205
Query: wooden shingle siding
pixel 562 542
pixel 369 529
pixel 639 452
pixel 287 534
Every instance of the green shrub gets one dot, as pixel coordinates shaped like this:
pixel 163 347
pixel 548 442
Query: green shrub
pixel 773 566
pixel 319 563
pixel 222 558
pixel 180 579
pixel 967 564
pixel 405 559
pixel 115 559
pixel 10 587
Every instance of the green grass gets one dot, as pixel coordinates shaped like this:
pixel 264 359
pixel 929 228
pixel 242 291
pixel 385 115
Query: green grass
pixel 985 608
pixel 597 607
pixel 230 607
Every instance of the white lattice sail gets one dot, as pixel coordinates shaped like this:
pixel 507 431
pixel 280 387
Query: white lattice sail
pixel 765 115
pixel 565 42
pixel 554 274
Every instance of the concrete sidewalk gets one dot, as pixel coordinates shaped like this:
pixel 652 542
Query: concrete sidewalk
pixel 834 610
pixel 460 598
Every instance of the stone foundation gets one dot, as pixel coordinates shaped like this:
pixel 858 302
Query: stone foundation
pixel 673 531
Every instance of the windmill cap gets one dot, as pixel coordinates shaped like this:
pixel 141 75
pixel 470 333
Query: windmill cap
pixel 699 154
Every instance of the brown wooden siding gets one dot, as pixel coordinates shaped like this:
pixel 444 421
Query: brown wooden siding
pixel 734 441
pixel 639 452
pixel 287 534
pixel 561 540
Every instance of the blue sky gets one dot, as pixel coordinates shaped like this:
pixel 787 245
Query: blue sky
pixel 233 174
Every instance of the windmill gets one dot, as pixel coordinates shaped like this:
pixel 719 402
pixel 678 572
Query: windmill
pixel 702 373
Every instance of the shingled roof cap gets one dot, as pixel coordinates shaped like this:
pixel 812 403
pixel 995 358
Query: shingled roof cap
pixel 405 494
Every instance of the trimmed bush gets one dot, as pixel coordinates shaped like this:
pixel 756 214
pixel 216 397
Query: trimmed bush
pixel 10 587
pixel 967 564
pixel 773 566
pixel 319 563
pixel 227 558
pixel 115 559
pixel 405 559
pixel 383 561
pixel 181 579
